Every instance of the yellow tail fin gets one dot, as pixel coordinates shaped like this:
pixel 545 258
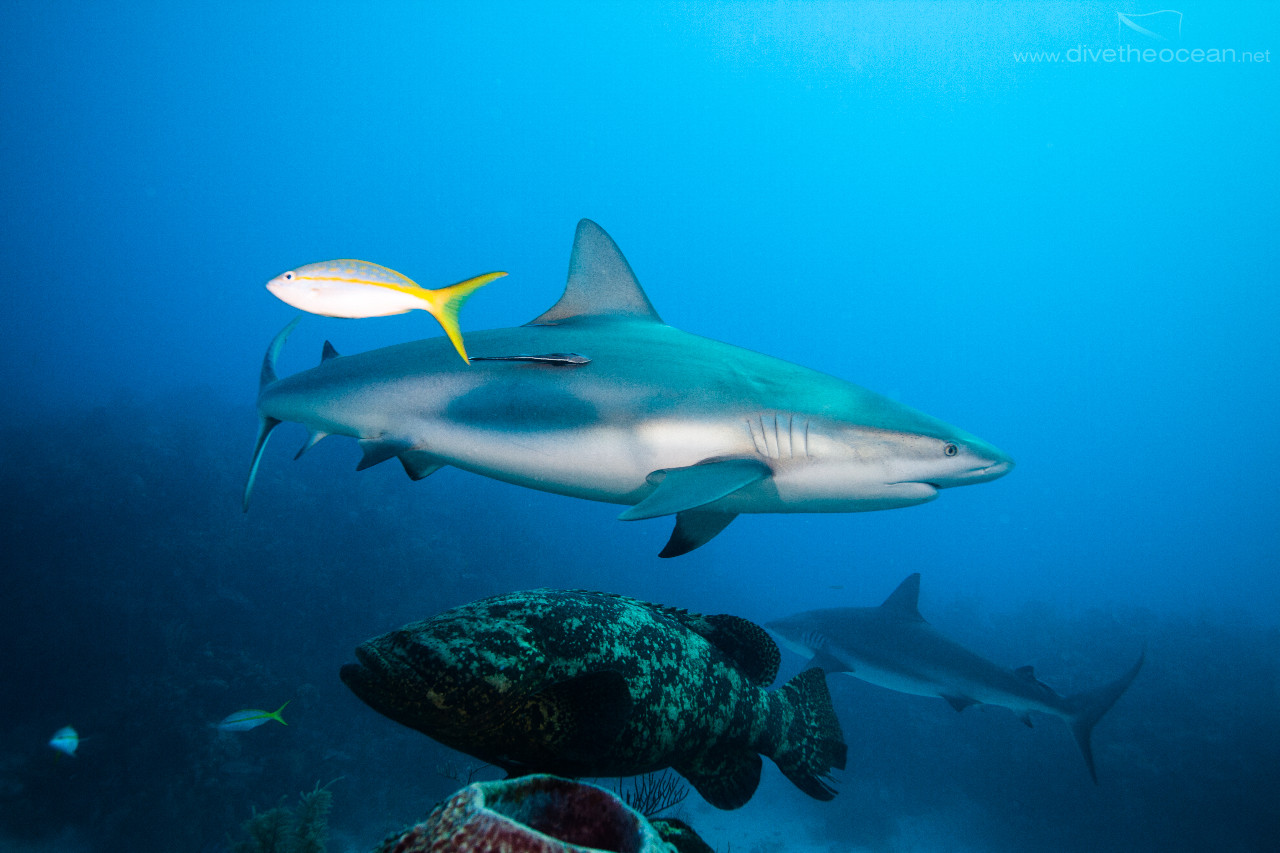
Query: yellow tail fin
pixel 446 302
pixel 275 715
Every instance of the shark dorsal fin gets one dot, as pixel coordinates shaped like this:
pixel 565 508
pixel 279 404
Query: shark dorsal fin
pixel 601 283
pixel 904 602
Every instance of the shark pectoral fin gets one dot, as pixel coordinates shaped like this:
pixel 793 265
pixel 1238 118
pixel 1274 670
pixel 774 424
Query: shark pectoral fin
pixel 960 702
pixel 265 426
pixel 726 776
pixel 419 464
pixel 380 450
pixel 682 489
pixel 828 662
pixel 695 528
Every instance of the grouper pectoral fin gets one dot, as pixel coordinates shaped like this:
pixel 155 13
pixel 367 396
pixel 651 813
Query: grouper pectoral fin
pixel 680 489
pixel 576 720
pixel 601 283
pixel 695 528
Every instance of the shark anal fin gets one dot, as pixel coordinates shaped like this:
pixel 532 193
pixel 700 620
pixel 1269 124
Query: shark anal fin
pixel 960 702
pixel 419 464
pixel 681 489
pixel 311 441
pixel 695 528
pixel 379 450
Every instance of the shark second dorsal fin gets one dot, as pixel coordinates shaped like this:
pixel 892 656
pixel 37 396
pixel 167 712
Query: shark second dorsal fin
pixel 904 602
pixel 601 283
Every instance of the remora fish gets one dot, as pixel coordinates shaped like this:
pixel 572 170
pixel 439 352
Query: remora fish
pixel 628 410
pixel 893 646
pixel 592 684
pixel 358 289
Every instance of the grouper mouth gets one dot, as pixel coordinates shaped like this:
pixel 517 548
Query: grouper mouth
pixel 370 678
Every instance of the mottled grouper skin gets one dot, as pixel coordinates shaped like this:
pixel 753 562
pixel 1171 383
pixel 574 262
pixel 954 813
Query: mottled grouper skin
pixel 592 684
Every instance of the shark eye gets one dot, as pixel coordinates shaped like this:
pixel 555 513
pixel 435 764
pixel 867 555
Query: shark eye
pixel 950 449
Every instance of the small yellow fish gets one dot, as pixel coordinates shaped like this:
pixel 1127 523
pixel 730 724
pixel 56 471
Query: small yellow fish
pixel 358 289
pixel 250 718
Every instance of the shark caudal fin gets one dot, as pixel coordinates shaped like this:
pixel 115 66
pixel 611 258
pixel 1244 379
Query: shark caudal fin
pixel 445 303
pixel 1086 709
pixel 808 742
pixel 267 424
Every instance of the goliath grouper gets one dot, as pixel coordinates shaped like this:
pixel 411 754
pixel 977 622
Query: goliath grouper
pixel 592 684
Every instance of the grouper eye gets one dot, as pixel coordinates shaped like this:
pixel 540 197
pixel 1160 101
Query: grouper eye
pixel 950 449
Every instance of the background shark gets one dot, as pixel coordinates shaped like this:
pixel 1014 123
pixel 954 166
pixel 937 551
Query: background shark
pixel 893 646
pixel 597 398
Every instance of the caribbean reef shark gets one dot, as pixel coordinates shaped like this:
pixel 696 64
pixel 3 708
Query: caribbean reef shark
pixel 597 398
pixel 894 647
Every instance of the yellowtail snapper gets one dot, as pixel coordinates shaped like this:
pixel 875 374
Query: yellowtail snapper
pixel 65 740
pixel 358 289
pixel 250 718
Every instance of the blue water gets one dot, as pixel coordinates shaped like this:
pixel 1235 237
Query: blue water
pixel 1074 259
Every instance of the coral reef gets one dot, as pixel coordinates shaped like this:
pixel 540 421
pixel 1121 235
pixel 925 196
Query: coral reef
pixel 680 835
pixel 654 793
pixel 301 829
pixel 531 814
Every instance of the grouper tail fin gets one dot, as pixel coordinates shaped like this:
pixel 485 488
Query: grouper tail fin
pixel 445 303
pixel 1086 709
pixel 808 743
pixel 267 424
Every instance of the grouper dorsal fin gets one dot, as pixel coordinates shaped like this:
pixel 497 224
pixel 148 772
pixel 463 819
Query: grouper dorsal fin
pixel 745 643
pixel 904 602
pixel 601 283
